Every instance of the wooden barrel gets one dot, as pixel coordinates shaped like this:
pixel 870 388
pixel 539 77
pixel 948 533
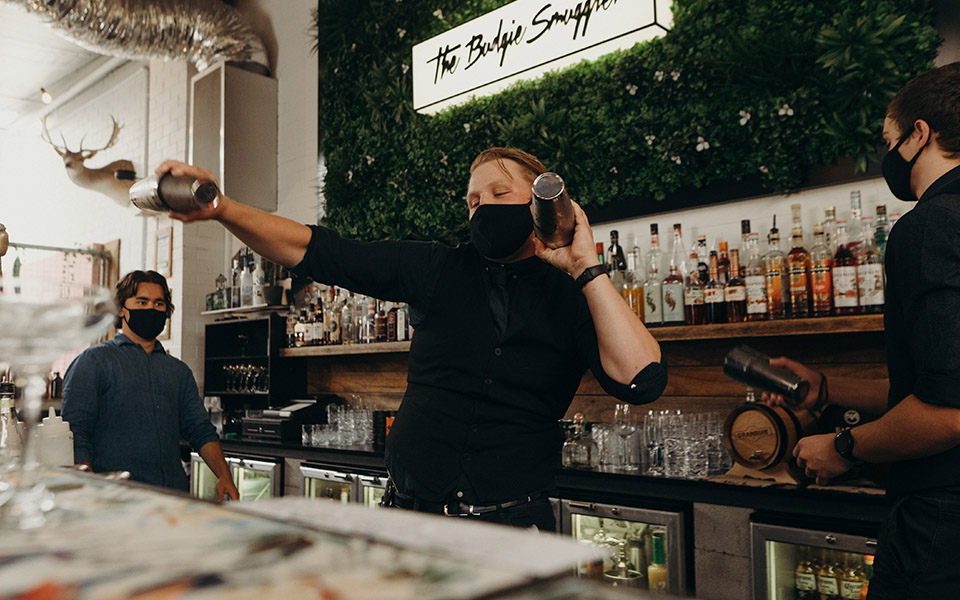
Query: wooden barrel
pixel 760 436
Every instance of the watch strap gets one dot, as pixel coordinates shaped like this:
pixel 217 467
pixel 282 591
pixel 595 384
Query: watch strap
pixel 843 444
pixel 589 274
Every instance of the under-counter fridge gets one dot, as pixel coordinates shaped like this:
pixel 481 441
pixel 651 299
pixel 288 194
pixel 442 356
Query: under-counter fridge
pixel 646 548
pixel 256 478
pixel 801 561
pixel 341 485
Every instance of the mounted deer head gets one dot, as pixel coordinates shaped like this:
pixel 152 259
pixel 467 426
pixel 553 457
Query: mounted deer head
pixel 113 180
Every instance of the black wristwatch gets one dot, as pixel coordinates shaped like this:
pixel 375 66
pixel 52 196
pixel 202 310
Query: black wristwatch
pixel 591 273
pixel 843 444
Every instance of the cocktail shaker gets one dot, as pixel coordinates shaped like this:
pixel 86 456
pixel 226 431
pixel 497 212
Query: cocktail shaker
pixel 753 368
pixel 553 218
pixel 177 193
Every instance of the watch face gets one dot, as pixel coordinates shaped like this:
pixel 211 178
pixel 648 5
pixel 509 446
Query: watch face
pixel 844 443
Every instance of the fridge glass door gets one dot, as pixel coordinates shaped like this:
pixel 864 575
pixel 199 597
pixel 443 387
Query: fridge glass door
pixel 810 565
pixel 628 534
pixel 203 483
pixel 255 479
pixel 372 488
pixel 326 484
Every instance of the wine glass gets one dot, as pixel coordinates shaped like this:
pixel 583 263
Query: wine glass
pixel 39 322
pixel 625 424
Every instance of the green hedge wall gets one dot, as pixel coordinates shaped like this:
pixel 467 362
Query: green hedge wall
pixel 738 89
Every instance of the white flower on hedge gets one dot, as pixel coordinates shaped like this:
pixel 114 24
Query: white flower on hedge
pixel 786 110
pixel 404 67
pixel 443 160
pixel 676 159
pixel 675 75
pixel 650 139
pixel 370 159
pixel 350 176
pixel 613 170
pixel 702 144
pixel 353 46
pixel 744 117
pixel 658 75
pixel 764 169
pixel 438 14
pixel 466 127
pixel 401 32
pixel 632 89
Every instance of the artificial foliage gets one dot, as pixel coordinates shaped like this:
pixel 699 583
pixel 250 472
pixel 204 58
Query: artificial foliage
pixel 737 90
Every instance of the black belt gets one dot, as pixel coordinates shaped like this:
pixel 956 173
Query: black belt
pixel 452 508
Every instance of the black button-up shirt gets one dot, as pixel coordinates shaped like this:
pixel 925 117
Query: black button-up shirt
pixel 482 403
pixel 922 322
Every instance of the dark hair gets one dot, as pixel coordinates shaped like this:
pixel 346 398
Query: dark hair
pixel 127 288
pixel 933 96
pixel 526 160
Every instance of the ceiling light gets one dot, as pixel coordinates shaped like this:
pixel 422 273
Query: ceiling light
pixel 45 96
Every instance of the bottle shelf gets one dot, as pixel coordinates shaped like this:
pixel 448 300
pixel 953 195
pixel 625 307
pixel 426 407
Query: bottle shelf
pixel 812 326
pixel 344 349
pixel 246 309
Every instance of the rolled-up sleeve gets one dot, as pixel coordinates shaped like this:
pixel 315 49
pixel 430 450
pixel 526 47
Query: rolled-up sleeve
pixel 935 338
pixel 80 404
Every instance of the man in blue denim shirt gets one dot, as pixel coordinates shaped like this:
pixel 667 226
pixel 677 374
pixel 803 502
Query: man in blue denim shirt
pixel 128 402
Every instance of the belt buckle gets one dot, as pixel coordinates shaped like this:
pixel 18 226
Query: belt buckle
pixel 459 510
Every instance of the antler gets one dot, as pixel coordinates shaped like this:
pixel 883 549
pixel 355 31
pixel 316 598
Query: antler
pixel 113 140
pixel 45 136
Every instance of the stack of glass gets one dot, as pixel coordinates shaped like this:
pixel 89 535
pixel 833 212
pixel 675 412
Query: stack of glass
pixel 684 445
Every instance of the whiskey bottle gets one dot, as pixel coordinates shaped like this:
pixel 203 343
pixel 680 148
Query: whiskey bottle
pixel 723 263
pixel 821 277
pixel 798 265
pixel 774 263
pixel 379 322
pixel 703 259
pixel 869 275
pixel 695 312
pixel 652 293
pixel 673 298
pixel 855 233
pixel 754 276
pixel 735 292
pixel 830 229
pixel 632 290
pixel 845 295
pixel 713 294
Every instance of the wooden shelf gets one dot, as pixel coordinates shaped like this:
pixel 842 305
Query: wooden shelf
pixel 344 349
pixel 820 325
pixel 246 309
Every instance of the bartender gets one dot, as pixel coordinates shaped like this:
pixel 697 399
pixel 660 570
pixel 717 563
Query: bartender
pixel 505 329
pixel 919 430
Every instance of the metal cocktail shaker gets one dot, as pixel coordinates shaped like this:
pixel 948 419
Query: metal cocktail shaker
pixel 753 368
pixel 553 218
pixel 177 193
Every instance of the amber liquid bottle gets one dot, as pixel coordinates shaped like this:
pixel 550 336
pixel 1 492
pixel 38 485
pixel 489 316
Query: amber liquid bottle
pixel 713 294
pixel 774 263
pixel 798 265
pixel 695 311
pixel 735 292
pixel 845 295
pixel 821 276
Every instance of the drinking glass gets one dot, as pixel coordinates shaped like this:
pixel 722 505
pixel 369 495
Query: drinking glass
pixel 40 321
pixel 625 424
pixel 653 438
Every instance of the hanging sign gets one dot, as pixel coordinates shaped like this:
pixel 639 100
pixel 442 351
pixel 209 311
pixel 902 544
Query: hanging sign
pixel 525 39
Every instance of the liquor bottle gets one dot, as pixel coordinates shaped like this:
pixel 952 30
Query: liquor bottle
pixel 713 294
pixel 774 263
pixel 368 330
pixel 845 295
pixel 744 240
pixel 392 324
pixel 291 328
pixel 821 277
pixel 258 282
pixel 798 265
pixel 805 577
pixel 755 280
pixel 828 578
pixel 703 259
pixel 880 229
pixel 652 294
pixel 318 339
pixel 695 312
pixel 235 285
pixel 347 325
pixel 657 575
pixel 678 251
pixel 855 225
pixel 10 444
pixel 830 229
pixel 853 578
pixel 403 322
pixel 632 290
pixel 380 322
pixel 735 292
pixel 308 329
pixel 600 253
pixel 246 282
pixel 867 575
pixel 869 274
pixel 580 451
pixel 723 263
pixel 673 297
pixel 331 317
pixel 615 257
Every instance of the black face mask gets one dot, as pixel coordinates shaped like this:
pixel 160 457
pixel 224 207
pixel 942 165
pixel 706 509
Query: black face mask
pixel 896 171
pixel 146 322
pixel 499 230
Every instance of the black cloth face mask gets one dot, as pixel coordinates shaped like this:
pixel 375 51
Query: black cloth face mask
pixel 146 322
pixel 499 230
pixel 896 171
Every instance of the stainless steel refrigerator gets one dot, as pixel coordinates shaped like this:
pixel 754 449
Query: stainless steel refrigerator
pixel 318 481
pixel 256 478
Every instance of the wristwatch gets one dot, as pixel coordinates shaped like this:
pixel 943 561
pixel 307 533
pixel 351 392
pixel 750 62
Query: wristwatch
pixel 843 444
pixel 590 273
